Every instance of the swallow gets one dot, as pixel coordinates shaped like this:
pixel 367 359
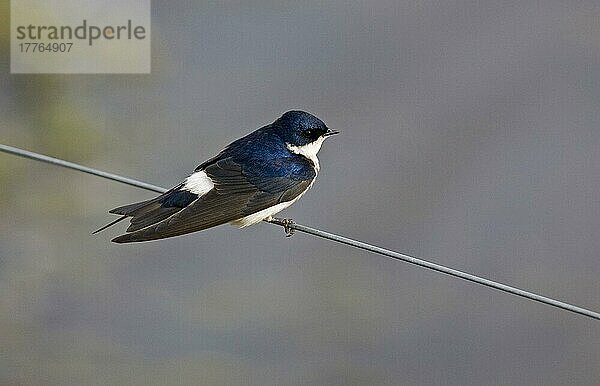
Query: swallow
pixel 249 181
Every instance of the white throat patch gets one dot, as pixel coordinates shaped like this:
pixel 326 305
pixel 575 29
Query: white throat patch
pixel 309 151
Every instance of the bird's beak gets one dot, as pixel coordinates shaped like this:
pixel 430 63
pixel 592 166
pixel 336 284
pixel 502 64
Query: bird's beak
pixel 330 132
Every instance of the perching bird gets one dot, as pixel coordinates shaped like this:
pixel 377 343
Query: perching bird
pixel 247 182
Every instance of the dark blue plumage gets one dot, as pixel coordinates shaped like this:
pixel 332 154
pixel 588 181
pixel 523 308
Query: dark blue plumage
pixel 251 179
pixel 269 142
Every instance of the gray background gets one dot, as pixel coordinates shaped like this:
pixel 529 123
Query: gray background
pixel 470 137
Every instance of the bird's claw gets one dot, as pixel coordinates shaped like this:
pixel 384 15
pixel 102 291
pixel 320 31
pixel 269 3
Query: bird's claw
pixel 287 227
pixel 286 223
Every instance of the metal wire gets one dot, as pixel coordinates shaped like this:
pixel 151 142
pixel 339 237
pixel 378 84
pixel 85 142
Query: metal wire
pixel 81 168
pixel 291 226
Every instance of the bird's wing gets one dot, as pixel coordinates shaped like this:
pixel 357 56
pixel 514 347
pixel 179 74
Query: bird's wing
pixel 237 192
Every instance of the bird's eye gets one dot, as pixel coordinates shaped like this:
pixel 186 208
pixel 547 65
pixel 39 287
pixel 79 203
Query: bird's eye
pixel 307 133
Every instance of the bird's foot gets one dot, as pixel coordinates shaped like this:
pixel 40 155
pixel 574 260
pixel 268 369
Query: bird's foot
pixel 286 223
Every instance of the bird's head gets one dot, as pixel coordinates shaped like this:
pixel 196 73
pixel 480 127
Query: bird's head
pixel 299 129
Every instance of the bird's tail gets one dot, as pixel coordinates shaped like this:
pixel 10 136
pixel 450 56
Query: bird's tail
pixel 110 224
pixel 125 211
pixel 128 210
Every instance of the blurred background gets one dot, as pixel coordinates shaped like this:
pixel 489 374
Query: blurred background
pixel 470 136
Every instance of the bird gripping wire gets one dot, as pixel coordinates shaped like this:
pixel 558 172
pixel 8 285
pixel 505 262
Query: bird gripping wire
pixel 290 226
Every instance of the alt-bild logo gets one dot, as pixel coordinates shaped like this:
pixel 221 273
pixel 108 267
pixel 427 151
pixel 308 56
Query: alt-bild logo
pixel 80 36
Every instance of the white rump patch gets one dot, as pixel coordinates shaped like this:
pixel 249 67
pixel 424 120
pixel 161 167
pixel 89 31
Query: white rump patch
pixel 198 183
pixel 309 151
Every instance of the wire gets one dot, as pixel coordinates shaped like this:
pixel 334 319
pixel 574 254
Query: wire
pixel 291 226
pixel 81 168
